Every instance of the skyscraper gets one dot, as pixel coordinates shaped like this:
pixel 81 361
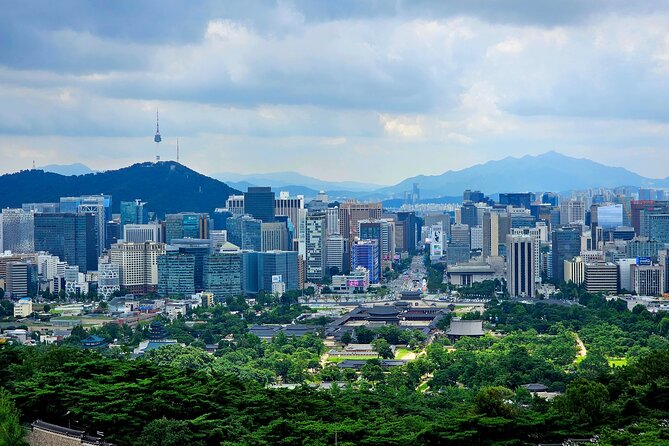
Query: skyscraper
pixel 277 265
pixel 199 249
pixel 245 232
pixel 566 245
pixel 365 253
pixel 223 274
pixel 176 273
pixel 71 237
pixel 259 202
pixel 186 225
pixel 133 212
pixel 17 229
pixel 138 265
pixel 521 265
pixel 315 246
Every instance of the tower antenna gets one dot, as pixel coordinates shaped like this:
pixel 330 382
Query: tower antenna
pixel 157 138
pixel 177 149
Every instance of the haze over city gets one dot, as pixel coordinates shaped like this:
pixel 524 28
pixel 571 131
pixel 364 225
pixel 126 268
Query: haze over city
pixel 409 87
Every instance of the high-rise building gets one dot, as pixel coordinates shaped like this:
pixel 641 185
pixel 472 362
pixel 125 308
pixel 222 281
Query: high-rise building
pixel 220 218
pixel 315 245
pixel 410 231
pixel 245 232
pixel 71 237
pixel 186 225
pixel 199 249
pixel 468 214
pixel 17 231
pixel 290 207
pixel 648 280
pixel 637 206
pixel 259 202
pixel 336 250
pixel 235 204
pixel 99 205
pixel 642 247
pixel 476 238
pixel 475 196
pixel 521 265
pixel 601 277
pixel 566 245
pixel 140 233
pixel 176 273
pixel 109 280
pixel 351 212
pixel 571 212
pixel 365 253
pixel 133 212
pixel 625 273
pixel 223 274
pixel 332 213
pixel 437 240
pixel 550 198
pixel 517 199
pixel 655 226
pixel 459 247
pixel 496 226
pixel 277 266
pixel 138 265
pixel 275 237
pixel 574 270
pixel 41 208
pixel 21 279
pixel 536 234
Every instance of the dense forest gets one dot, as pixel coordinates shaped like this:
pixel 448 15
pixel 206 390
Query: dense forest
pixel 467 393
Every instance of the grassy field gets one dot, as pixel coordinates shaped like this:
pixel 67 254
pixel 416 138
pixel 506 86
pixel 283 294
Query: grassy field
pixel 400 353
pixel 617 362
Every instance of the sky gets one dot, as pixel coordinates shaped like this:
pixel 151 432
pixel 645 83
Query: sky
pixel 374 91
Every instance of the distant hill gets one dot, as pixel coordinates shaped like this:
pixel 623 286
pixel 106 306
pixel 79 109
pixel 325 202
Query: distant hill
pixel 284 179
pixel 550 171
pixel 166 186
pixel 67 169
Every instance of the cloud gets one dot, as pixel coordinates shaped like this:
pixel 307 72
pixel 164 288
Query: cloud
pixel 275 85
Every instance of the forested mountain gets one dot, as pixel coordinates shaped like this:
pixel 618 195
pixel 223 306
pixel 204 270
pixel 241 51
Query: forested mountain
pixel 166 186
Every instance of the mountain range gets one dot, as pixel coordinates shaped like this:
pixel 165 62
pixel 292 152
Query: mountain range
pixel 172 187
pixel 167 187
pixel 550 171
pixel 67 169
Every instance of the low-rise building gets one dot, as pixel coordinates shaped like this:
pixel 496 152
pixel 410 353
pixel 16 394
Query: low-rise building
pixel 24 307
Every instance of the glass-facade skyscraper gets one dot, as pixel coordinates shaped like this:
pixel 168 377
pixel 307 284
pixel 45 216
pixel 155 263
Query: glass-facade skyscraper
pixel 259 202
pixel 176 274
pixel 133 212
pixel 71 237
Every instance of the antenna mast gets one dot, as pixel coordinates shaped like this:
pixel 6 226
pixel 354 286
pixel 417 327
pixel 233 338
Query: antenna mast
pixel 177 149
pixel 157 138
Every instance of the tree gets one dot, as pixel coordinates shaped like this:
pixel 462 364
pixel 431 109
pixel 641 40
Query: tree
pixel 363 335
pixel 47 308
pixel 495 402
pixel 11 432
pixel 166 432
pixel 346 338
pixel 382 347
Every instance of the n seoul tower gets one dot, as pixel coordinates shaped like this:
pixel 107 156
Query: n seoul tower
pixel 157 138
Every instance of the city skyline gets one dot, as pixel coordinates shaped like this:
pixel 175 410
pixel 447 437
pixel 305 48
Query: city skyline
pixel 263 87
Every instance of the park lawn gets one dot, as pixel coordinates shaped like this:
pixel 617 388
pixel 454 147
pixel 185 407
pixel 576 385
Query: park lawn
pixel 400 353
pixel 617 362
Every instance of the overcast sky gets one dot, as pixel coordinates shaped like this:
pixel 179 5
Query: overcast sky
pixel 342 90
